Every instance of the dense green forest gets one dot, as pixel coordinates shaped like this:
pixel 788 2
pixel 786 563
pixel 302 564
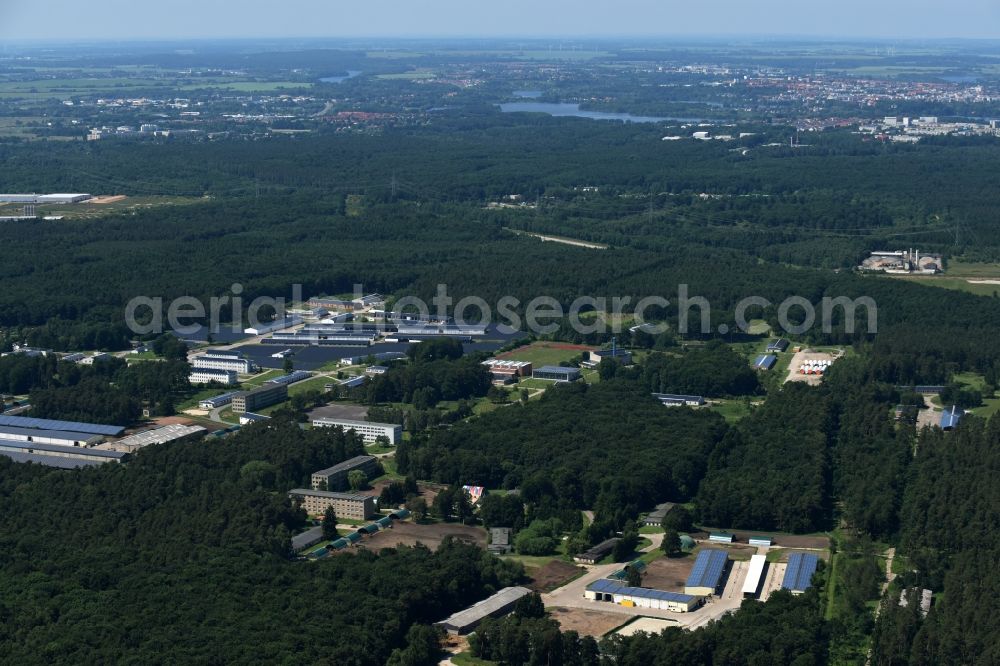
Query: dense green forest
pixel 182 555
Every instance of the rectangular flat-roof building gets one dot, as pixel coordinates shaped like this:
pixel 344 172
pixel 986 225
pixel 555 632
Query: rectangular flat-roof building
pixel 706 576
pixel 368 430
pixel 345 505
pixel 265 396
pixel 555 373
pixel 755 576
pixel 207 376
pixel 225 362
pixel 336 477
pixel 799 572
pixel 310 537
pixel 640 597
pixel 500 604
pixel 764 541
pixel 291 378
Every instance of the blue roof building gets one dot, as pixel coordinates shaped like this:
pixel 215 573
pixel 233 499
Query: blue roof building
pixel 950 417
pixel 765 362
pixel 799 572
pixel 641 597
pixel 707 572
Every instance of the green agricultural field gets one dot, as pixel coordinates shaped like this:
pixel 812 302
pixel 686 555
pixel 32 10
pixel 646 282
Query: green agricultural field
pixel 542 353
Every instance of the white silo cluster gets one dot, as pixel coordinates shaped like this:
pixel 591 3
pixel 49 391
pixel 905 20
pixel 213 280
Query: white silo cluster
pixel 814 367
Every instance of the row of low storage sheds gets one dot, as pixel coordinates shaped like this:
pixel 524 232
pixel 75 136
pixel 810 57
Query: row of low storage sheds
pixel 641 597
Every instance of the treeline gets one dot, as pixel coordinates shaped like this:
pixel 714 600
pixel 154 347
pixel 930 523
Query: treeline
pixel 714 370
pixel 436 371
pixel 170 547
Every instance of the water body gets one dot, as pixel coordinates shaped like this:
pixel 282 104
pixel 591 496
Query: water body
pixel 528 94
pixel 563 109
pixel 351 73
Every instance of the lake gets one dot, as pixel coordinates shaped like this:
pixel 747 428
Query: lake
pixel 351 73
pixel 562 109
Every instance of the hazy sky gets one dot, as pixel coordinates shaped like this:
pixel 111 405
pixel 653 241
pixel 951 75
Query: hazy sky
pixel 141 19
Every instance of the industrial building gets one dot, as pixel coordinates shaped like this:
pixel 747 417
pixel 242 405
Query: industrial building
pixel 778 345
pixel 655 517
pixel 950 417
pixel 71 426
pixel 336 477
pixel 373 370
pixel 370 301
pixel 765 362
pixel 162 435
pixel 58 198
pixel 799 573
pixel 56 437
pixel 368 430
pixel 380 357
pixel 265 396
pixel 53 455
pixel 640 597
pixel 755 576
pixel 247 418
pixel 326 335
pixel 678 400
pixel 220 361
pixel 207 376
pixel 332 304
pixel 350 382
pixel 555 373
pixel 276 325
pixel 290 378
pixel 720 537
pixel 345 505
pixel 500 604
pixel 217 401
pixel 598 552
pixel 706 576
pixel 762 541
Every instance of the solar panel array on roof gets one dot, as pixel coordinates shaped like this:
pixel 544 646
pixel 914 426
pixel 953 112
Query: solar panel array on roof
pixel 50 424
pixel 800 570
pixel 708 568
pixel 606 586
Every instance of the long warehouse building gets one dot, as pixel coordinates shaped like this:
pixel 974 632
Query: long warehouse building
pixel 70 426
pixel 799 573
pixel 57 437
pixel 706 575
pixel 336 477
pixel 53 455
pixel 641 597
pixel 499 604
pixel 755 576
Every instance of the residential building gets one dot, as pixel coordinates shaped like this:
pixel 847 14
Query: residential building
pixel 500 604
pixel 332 304
pixel 345 505
pixel 368 430
pixel 336 477
pixel 218 361
pixel 265 396
pixel 207 376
